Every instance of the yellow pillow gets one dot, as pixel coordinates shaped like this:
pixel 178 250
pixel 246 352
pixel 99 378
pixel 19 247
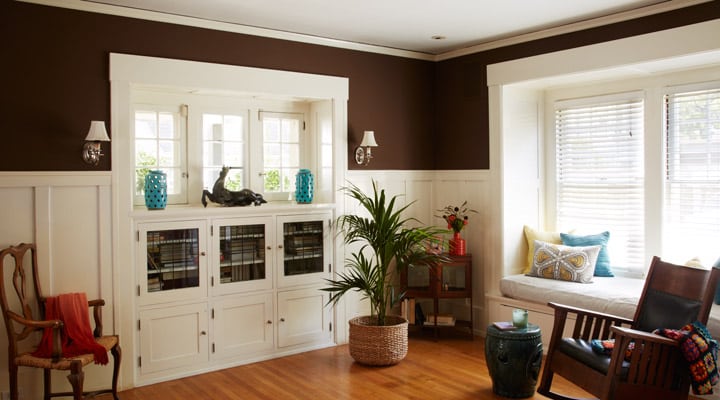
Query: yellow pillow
pixel 531 235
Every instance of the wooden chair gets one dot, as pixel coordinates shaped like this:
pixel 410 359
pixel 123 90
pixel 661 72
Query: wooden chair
pixel 13 259
pixel 673 296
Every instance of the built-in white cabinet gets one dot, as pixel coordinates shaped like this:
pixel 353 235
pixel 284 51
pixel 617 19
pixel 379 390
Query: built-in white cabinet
pixel 242 254
pixel 243 325
pixel 220 290
pixel 172 337
pixel 303 317
pixel 172 261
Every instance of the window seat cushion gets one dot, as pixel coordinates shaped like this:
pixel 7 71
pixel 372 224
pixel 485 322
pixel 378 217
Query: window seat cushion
pixel 617 295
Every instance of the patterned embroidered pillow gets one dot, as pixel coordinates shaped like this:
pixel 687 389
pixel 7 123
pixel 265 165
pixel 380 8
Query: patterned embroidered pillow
pixel 531 235
pixel 556 261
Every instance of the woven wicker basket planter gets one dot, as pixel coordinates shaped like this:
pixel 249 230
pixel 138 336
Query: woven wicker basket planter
pixel 371 344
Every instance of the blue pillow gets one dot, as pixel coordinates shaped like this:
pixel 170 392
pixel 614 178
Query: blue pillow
pixel 602 267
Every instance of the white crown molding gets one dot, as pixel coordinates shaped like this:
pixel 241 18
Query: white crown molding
pixel 574 27
pixel 89 6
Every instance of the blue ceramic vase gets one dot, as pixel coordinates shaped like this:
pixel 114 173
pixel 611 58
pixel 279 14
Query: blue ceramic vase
pixel 155 190
pixel 304 186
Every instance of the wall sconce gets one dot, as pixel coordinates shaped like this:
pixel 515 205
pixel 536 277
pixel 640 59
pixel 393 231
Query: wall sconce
pixel 92 149
pixel 363 153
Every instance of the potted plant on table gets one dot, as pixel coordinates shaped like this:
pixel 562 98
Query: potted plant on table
pixel 386 240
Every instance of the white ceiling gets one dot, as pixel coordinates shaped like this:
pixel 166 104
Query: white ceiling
pixel 408 25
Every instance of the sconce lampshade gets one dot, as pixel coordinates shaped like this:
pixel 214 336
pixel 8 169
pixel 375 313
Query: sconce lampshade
pixel 369 139
pixel 97 132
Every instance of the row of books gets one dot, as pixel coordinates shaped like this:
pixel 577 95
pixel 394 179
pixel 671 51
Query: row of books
pixel 413 312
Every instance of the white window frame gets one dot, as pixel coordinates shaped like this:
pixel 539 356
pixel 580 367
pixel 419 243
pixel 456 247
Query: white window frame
pixel 303 142
pixel 653 89
pixel 704 246
pixel 628 239
pixel 180 121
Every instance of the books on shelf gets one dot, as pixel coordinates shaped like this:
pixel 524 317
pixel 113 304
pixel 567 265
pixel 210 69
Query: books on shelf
pixel 442 320
pixel 407 310
pixel 504 325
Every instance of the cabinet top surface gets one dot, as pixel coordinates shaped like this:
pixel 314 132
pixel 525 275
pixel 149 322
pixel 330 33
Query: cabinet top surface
pixel 196 211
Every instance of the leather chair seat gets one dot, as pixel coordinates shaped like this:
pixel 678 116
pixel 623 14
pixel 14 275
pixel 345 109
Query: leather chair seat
pixel 580 350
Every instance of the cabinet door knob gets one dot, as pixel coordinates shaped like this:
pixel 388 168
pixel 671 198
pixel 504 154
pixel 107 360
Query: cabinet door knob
pixel 279 246
pixel 269 247
pixel 202 253
pixel 203 333
pixel 269 322
pixel 282 319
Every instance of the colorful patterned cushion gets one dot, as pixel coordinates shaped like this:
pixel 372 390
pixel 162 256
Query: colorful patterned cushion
pixel 555 261
pixel 605 347
pixel 603 260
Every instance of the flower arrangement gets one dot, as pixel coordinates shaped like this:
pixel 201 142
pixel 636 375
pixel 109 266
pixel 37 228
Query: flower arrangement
pixel 456 217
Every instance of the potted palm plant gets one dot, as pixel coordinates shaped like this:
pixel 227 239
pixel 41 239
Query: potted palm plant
pixel 387 244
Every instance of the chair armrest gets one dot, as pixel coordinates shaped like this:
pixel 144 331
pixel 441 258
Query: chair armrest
pixel 634 334
pixel 31 323
pixel 653 356
pixel 29 326
pixel 97 315
pixel 588 324
pixel 583 311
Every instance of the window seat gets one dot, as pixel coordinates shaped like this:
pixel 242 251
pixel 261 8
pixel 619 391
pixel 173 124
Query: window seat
pixel 618 296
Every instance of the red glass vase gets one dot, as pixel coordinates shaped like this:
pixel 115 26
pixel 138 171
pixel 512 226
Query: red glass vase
pixel 456 245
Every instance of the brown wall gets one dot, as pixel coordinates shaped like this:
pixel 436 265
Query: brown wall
pixel 426 115
pixel 55 80
pixel 461 83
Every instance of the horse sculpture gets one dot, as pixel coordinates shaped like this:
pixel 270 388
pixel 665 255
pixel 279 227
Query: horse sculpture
pixel 230 198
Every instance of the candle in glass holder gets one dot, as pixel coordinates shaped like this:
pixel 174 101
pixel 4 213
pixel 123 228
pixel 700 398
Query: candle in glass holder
pixel 520 318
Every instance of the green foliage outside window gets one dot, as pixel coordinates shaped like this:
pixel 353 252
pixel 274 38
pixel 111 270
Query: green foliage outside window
pixel 143 159
pixel 272 180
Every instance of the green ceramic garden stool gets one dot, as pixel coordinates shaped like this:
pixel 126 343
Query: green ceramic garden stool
pixel 513 360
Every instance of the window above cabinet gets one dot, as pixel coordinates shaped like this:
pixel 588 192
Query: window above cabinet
pixel 191 137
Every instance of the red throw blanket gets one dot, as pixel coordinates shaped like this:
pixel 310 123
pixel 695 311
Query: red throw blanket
pixel 76 336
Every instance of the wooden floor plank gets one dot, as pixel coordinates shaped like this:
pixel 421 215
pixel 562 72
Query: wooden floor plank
pixel 449 368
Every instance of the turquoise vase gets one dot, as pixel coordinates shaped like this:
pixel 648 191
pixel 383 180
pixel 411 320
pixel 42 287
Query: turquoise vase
pixel 155 190
pixel 304 186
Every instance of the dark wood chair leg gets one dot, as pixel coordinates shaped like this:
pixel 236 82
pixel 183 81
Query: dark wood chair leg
pixel 47 384
pixel 77 379
pixel 13 370
pixel 117 356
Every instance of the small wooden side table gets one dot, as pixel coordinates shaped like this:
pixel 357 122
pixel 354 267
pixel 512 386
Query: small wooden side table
pixel 447 280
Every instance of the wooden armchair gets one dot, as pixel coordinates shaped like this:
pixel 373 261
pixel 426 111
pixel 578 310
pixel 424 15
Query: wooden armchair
pixel 13 259
pixel 673 296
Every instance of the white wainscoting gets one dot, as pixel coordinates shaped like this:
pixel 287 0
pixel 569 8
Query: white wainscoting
pixel 430 191
pixel 67 214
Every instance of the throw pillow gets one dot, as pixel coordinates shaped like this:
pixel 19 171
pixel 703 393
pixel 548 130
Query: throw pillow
pixel 556 261
pixel 603 261
pixel 531 235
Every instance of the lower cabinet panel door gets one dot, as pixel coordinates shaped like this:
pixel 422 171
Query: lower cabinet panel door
pixel 302 317
pixel 243 325
pixel 173 337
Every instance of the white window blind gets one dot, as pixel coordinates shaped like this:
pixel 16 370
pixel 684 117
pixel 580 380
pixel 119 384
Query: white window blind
pixel 599 173
pixel 692 175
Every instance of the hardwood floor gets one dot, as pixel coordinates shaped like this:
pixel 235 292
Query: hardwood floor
pixel 450 368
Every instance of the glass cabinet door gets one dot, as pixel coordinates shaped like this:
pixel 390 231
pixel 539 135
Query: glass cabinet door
pixel 174 259
pixel 304 249
pixel 241 253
